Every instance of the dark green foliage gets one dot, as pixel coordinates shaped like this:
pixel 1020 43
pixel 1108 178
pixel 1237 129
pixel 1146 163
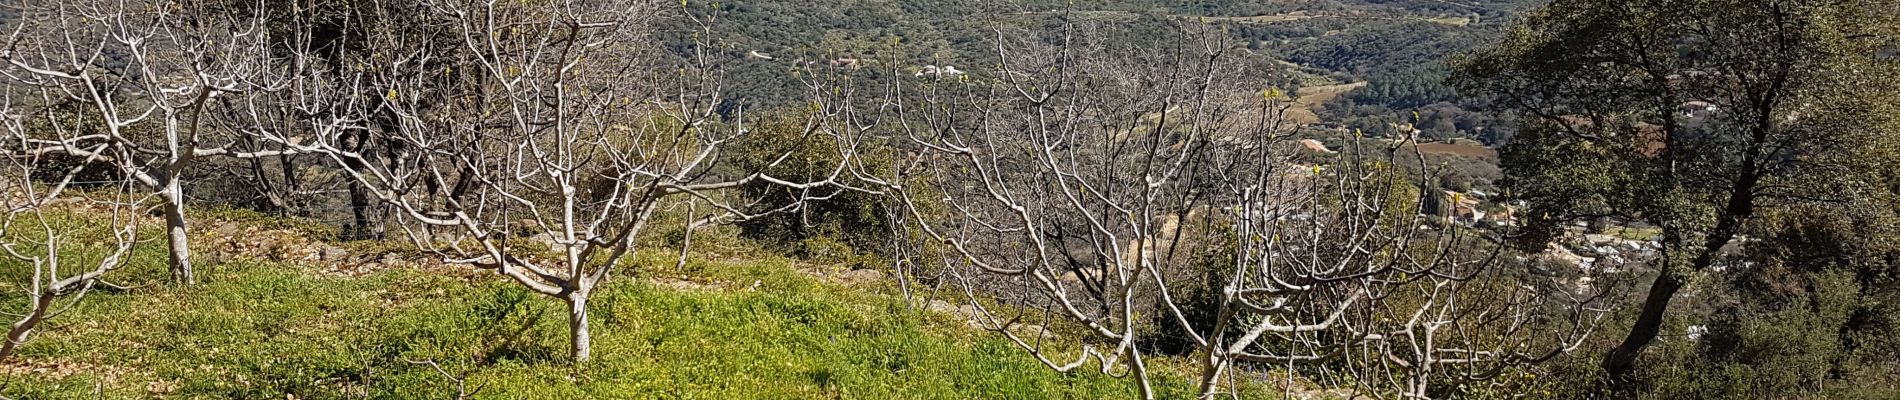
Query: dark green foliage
pixel 1802 123
pixel 1407 89
pixel 1399 50
pixel 1200 299
pixel 1811 315
pixel 884 36
pixel 841 226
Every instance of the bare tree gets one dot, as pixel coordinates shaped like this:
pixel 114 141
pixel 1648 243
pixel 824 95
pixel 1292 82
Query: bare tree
pixel 61 274
pixel 542 142
pixel 1076 183
pixel 138 84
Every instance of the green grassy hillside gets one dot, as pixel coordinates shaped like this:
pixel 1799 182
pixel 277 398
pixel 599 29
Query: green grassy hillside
pixel 753 326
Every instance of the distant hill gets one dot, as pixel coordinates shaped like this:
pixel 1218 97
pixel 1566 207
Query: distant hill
pixel 1397 46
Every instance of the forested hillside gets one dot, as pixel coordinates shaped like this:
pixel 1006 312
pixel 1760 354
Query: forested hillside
pixel 1029 199
pixel 1397 47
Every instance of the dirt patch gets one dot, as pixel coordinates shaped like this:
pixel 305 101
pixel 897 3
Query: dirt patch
pixel 56 369
pixel 1311 98
pixel 1453 21
pixel 1315 146
pixel 1303 15
pixel 220 241
pixel 975 319
pixel 1264 19
pixel 1322 94
pixel 226 240
pixel 857 277
pixel 1466 150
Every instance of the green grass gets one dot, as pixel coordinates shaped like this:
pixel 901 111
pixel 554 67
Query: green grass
pixel 255 329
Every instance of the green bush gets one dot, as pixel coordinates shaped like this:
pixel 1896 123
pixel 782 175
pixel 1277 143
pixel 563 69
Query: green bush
pixel 845 227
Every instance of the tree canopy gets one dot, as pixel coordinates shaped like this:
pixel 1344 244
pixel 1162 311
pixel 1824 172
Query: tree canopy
pixel 1692 116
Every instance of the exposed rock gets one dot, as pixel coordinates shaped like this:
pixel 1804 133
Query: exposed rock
pixel 546 239
pixel 1563 254
pixel 859 277
pixel 975 319
pixel 328 253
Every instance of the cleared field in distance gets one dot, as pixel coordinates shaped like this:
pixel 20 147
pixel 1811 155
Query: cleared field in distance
pixel 1459 149
pixel 1311 97
pixel 1301 15
pixel 1264 19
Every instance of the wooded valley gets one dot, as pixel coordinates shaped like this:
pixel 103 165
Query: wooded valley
pixel 1289 199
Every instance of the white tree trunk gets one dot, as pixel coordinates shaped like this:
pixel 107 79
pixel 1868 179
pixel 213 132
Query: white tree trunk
pixel 17 334
pixel 178 242
pixel 577 326
pixel 1211 369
